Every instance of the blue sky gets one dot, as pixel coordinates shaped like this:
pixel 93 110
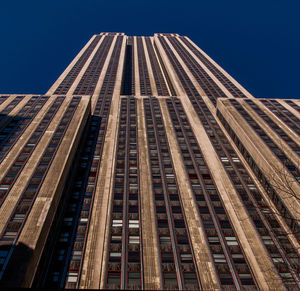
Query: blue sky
pixel 257 42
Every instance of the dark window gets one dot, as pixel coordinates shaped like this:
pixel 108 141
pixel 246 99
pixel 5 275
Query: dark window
pixel 167 258
pixel 134 278
pixel 133 257
pixel 113 278
pixel 190 278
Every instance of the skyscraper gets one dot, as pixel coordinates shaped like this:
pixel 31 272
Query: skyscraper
pixel 147 166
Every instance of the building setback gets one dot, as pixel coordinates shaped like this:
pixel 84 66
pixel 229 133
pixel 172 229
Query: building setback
pixel 147 166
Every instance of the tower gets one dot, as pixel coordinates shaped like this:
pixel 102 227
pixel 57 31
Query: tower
pixel 147 166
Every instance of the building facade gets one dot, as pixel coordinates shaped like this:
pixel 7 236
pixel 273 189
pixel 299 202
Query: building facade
pixel 147 166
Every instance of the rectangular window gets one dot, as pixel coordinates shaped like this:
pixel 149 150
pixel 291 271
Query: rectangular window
pixel 179 223
pixel 167 258
pixel 225 224
pixel 162 223
pixel 226 279
pixel 213 240
pixel 219 258
pixel 186 258
pixel 117 223
pixel 134 239
pixel 72 277
pixel 18 217
pixel 182 239
pixel 267 240
pixel 190 278
pixel 170 278
pixel 9 235
pixel 134 278
pixel 246 279
pixel 116 239
pixel 113 278
pixel 208 224
pixel 76 255
pixel 133 257
pixel 238 259
pixel 231 240
pixel 276 257
pixel 133 223
pixel 115 257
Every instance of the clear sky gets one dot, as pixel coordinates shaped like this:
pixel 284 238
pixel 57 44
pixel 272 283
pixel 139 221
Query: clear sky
pixel 256 41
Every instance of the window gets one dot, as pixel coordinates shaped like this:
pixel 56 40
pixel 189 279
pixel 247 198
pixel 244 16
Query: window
pixel 176 209
pixel 186 258
pixel 208 224
pixel 133 209
pixel 226 279
pixel 267 240
pixel 182 239
pixel 171 187
pixel 117 223
pixel 214 197
pixel 134 239
pixel 174 197
pixel 170 278
pixel 251 186
pixel 9 235
pixel 118 209
pixel 276 257
pixel 113 278
pixel 246 279
pixel 200 197
pixel 133 196
pixel 196 186
pixel 219 258
pixel 116 239
pixel 72 277
pixel 179 223
pixel 258 223
pixel 133 223
pixel 219 210
pixel 238 258
pixel 133 257
pixel 115 257
pixel 213 240
pixel 4 187
pixel 287 277
pixel 160 209
pixel 225 224
pixel 134 278
pixel 167 258
pixel 118 196
pixel 162 223
pixel 18 217
pixel 203 210
pixel 76 255
pixel 164 240
pixel 231 240
pixel 210 187
pixel 190 278
pixel 55 276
